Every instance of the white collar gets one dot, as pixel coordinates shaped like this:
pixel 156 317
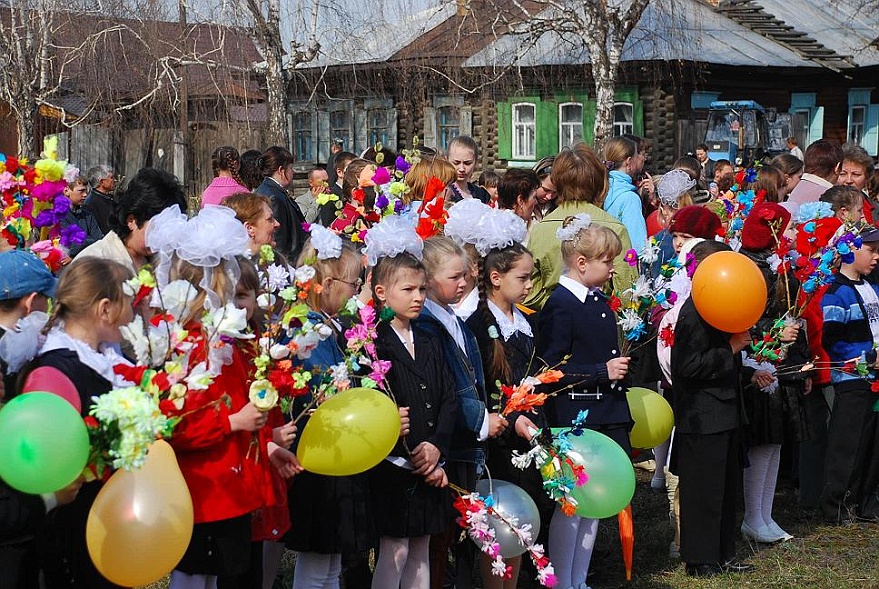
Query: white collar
pixel 449 320
pixel 468 305
pixel 101 362
pixel 581 291
pixel 509 328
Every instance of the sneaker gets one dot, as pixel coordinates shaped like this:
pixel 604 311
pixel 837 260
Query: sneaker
pixel 778 531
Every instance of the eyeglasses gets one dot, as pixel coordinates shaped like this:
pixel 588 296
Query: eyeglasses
pixel 356 284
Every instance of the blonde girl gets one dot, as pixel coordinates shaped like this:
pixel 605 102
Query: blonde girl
pixel 90 307
pixel 578 321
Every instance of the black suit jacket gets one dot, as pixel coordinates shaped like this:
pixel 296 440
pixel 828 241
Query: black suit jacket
pixel 289 236
pixel 706 376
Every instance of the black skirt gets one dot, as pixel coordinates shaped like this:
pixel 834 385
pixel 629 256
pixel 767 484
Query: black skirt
pixel 404 506
pixel 776 417
pixel 218 548
pixel 330 515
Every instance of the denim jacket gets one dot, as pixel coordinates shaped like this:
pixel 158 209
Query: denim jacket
pixel 469 388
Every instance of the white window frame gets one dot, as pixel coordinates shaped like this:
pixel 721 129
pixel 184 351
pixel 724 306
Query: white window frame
pixel 522 152
pixel 567 129
pixel 623 127
pixel 856 131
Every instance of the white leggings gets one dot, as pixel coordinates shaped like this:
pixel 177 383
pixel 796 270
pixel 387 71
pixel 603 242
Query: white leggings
pixel 181 580
pixel 317 571
pixel 571 539
pixel 403 560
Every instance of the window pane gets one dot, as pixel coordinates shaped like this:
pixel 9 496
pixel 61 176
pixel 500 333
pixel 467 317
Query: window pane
pixel 447 125
pixel 340 127
pixel 572 113
pixel 524 113
pixel 302 140
pixel 858 114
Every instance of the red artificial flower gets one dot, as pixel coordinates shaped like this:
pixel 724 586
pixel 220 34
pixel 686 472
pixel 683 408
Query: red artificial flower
pixel 614 303
pixel 667 336
pixel 507 390
pixel 358 195
pixel 434 187
pixel 167 407
pixel 11 165
pixel 90 422
pixel 810 243
pixel 548 376
pixel 158 318
pixel 875 386
pixel 130 373
pixel 142 293
pixel 740 176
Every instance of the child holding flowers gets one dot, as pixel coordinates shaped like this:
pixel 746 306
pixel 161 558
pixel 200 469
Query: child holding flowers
pixel 578 322
pixel 331 514
pixel 409 503
pixel 90 307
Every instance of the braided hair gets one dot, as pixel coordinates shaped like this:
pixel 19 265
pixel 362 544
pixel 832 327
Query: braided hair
pixel 501 261
pixel 227 158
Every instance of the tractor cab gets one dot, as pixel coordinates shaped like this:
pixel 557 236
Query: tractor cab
pixel 737 131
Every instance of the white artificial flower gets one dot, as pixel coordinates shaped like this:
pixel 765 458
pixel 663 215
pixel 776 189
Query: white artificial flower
pixel 229 321
pixel 278 277
pixel 199 379
pixel 303 273
pixel 324 331
pixel 650 252
pixel 279 351
pixel 134 334
pixel 629 320
pixel 774 262
pixel 263 395
pixel 680 284
pixel 266 301
pixel 641 288
pixel 306 343
pixel 174 298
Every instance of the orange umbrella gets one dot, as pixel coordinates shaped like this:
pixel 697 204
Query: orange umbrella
pixel 627 538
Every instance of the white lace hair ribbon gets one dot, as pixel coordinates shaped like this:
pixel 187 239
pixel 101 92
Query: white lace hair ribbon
pixel 327 242
pixel 578 222
pixel 672 185
pixel 163 232
pixel 391 237
pixel 471 221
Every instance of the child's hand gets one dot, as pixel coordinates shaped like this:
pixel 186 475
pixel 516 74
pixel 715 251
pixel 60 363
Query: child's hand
pixel 248 418
pixel 438 478
pixel 762 378
pixel 404 421
pixel 790 332
pixel 618 368
pixel 283 436
pixel 496 425
pixel 284 461
pixel 425 457
pixel 524 428
pixel 739 341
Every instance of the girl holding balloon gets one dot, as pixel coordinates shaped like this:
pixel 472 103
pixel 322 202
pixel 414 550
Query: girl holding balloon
pixel 330 513
pixel 578 322
pixel 409 502
pixel 90 307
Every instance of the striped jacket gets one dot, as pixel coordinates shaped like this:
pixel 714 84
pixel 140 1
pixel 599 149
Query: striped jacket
pixel 847 333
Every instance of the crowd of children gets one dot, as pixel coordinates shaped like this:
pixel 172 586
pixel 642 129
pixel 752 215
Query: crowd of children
pixel 455 329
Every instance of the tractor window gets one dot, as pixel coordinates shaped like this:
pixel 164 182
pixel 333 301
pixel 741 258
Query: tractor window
pixel 751 135
pixel 723 126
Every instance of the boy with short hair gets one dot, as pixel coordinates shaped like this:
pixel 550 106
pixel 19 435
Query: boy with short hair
pixel 851 331
pixel 80 216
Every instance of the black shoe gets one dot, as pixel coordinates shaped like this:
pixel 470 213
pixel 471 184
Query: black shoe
pixel 735 566
pixel 703 570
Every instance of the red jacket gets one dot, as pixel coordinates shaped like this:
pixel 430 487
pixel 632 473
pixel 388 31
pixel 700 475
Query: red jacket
pixel 814 316
pixel 214 460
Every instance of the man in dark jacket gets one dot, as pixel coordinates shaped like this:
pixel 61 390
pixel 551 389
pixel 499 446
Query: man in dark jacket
pixel 100 200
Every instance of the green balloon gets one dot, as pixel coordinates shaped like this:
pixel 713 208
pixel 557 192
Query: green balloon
pixel 611 482
pixel 44 444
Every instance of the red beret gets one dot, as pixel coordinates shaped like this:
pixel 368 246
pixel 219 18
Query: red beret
pixel 697 221
pixel 764 226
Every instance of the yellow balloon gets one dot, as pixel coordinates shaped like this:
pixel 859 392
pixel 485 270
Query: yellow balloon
pixel 653 418
pixel 141 521
pixel 349 433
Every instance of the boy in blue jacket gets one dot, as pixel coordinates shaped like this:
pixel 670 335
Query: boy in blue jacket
pixel 851 331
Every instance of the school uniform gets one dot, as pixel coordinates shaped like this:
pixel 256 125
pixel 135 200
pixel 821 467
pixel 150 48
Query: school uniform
pixel 403 505
pixel 577 320
pixel 706 453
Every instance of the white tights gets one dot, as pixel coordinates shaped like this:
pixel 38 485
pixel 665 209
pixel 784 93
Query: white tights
pixel 317 571
pixel 403 560
pixel 571 539
pixel 759 484
pixel 181 580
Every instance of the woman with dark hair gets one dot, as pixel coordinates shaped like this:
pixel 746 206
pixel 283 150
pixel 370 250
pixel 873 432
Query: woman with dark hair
pixel 546 190
pixel 580 181
pixel 517 192
pixel 150 192
pixel 792 169
pixel 249 172
pixel 276 165
pixel 226 162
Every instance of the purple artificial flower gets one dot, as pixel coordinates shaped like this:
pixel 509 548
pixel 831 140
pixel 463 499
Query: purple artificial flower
pixel 398 207
pixel 402 165
pixel 381 202
pixel 381 176
pixel 61 205
pixel 72 235
pixel 44 219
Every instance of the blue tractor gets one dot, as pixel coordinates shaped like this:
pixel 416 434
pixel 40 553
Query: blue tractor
pixel 742 131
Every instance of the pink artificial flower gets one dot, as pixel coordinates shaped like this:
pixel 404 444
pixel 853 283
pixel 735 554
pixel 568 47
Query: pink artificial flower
pixel 631 258
pixel 379 370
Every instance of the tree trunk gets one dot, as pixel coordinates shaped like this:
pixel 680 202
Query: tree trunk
pixel 26 126
pixel 276 90
pixel 605 90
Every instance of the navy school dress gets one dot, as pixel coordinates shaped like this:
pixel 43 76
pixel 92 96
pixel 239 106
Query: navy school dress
pixel 581 324
pixel 328 515
pixel 403 505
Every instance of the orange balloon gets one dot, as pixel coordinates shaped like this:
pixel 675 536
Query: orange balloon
pixel 729 291
pixel 141 521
